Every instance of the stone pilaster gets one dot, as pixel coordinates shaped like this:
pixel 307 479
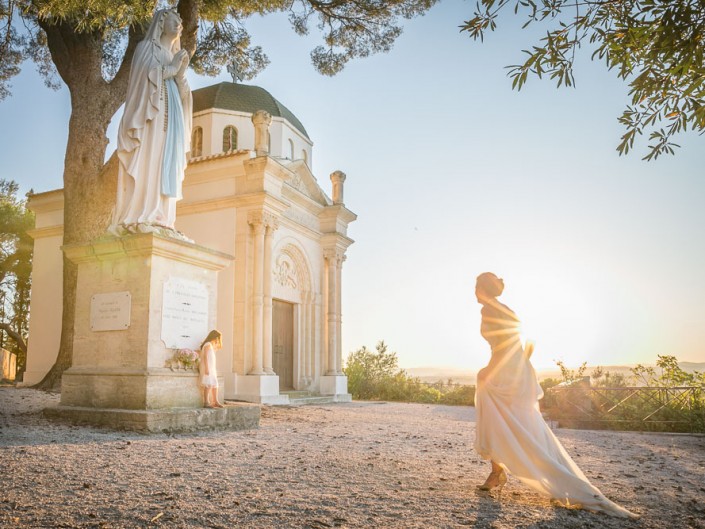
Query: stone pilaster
pixel 263 226
pixel 271 224
pixel 258 229
pixel 334 258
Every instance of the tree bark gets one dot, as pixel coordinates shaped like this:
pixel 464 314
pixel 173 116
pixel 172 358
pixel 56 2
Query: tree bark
pixel 89 186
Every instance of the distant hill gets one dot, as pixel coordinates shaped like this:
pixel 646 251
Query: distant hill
pixel 468 376
pixel 434 374
pixel 692 366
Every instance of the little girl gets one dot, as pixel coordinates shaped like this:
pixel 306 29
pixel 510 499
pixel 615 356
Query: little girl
pixel 207 370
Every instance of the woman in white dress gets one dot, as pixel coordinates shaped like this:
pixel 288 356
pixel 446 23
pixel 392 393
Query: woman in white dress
pixel 155 130
pixel 511 432
pixel 207 369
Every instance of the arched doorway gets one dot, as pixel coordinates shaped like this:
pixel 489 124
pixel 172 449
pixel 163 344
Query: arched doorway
pixel 293 318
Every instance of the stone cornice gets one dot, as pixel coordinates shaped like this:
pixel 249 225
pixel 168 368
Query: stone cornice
pixel 302 200
pixel 340 212
pixel 331 241
pixel 146 244
pixel 219 156
pixel 46 202
pixel 42 233
pixel 256 166
pixel 296 226
pixel 203 206
pixel 261 200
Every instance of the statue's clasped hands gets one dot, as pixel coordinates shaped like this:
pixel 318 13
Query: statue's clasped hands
pixel 180 61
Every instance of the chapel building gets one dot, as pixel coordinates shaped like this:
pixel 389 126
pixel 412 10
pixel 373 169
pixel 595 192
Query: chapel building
pixel 248 192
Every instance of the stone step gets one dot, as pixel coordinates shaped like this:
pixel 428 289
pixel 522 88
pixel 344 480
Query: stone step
pixel 234 416
pixel 298 398
pixel 298 394
pixel 321 399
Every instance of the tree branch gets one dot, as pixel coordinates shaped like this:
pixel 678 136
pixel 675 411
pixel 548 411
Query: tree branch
pixel 77 55
pixel 60 54
pixel 118 86
pixel 189 13
pixel 14 335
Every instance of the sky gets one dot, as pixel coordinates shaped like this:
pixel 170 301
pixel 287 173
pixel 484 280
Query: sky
pixel 452 174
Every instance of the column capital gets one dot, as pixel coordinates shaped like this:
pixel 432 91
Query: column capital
pixel 263 218
pixel 337 254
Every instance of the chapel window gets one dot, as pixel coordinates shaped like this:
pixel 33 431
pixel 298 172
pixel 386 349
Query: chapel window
pixel 229 138
pixel 291 149
pixel 197 142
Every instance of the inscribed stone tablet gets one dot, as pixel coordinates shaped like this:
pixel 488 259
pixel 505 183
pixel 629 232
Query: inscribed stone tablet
pixel 184 313
pixel 110 311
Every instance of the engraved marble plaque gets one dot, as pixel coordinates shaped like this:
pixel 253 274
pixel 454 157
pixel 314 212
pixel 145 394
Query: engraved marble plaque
pixel 110 311
pixel 184 313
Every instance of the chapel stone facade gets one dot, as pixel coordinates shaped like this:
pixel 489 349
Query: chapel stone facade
pixel 248 192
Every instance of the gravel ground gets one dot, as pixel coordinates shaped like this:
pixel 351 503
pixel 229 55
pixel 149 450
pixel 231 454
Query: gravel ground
pixel 363 464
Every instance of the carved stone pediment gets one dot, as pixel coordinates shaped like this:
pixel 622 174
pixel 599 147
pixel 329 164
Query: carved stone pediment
pixel 303 180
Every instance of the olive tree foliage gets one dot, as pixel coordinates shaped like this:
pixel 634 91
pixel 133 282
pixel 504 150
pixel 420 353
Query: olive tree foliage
pixel 655 45
pixel 214 31
pixel 88 45
pixel 15 270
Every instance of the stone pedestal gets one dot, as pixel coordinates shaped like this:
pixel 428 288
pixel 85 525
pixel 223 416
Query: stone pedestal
pixel 139 299
pixel 263 389
pixel 336 386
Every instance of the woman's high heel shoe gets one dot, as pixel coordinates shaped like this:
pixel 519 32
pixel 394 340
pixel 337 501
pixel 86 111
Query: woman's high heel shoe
pixel 495 479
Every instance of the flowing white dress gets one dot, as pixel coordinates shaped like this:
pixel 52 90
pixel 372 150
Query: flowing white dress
pixel 154 136
pixel 208 358
pixel 510 428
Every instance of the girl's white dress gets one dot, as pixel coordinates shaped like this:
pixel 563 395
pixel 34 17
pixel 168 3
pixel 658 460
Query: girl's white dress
pixel 208 356
pixel 510 428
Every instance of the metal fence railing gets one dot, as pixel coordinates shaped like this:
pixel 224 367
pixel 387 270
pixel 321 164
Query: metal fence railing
pixel 677 409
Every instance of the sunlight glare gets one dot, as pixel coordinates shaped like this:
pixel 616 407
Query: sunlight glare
pixel 557 320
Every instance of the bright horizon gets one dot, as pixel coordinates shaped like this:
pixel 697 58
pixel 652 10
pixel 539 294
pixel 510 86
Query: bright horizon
pixel 453 174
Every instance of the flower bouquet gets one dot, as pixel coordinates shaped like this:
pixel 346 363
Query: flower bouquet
pixel 186 359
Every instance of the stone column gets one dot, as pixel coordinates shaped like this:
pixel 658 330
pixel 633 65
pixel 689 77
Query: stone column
pixel 339 316
pixel 271 224
pixel 310 345
pixel 261 120
pixel 333 257
pixel 338 178
pixel 258 226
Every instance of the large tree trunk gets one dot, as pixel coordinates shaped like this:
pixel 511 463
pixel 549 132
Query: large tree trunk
pixel 89 187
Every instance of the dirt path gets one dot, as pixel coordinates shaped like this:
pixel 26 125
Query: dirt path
pixel 346 465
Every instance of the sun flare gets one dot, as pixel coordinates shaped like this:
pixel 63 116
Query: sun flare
pixel 557 322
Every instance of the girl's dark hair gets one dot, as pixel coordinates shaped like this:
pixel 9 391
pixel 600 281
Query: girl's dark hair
pixel 213 335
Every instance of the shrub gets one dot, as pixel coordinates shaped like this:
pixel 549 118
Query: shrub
pixel 664 398
pixel 375 375
pixel 458 395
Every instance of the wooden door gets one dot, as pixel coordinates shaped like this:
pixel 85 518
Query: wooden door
pixel 283 343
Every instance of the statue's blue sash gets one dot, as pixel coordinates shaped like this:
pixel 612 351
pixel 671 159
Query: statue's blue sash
pixel 174 155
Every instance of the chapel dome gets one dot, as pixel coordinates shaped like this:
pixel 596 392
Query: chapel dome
pixel 243 98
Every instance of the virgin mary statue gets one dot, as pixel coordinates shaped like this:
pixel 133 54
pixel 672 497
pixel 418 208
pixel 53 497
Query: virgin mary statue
pixel 155 131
